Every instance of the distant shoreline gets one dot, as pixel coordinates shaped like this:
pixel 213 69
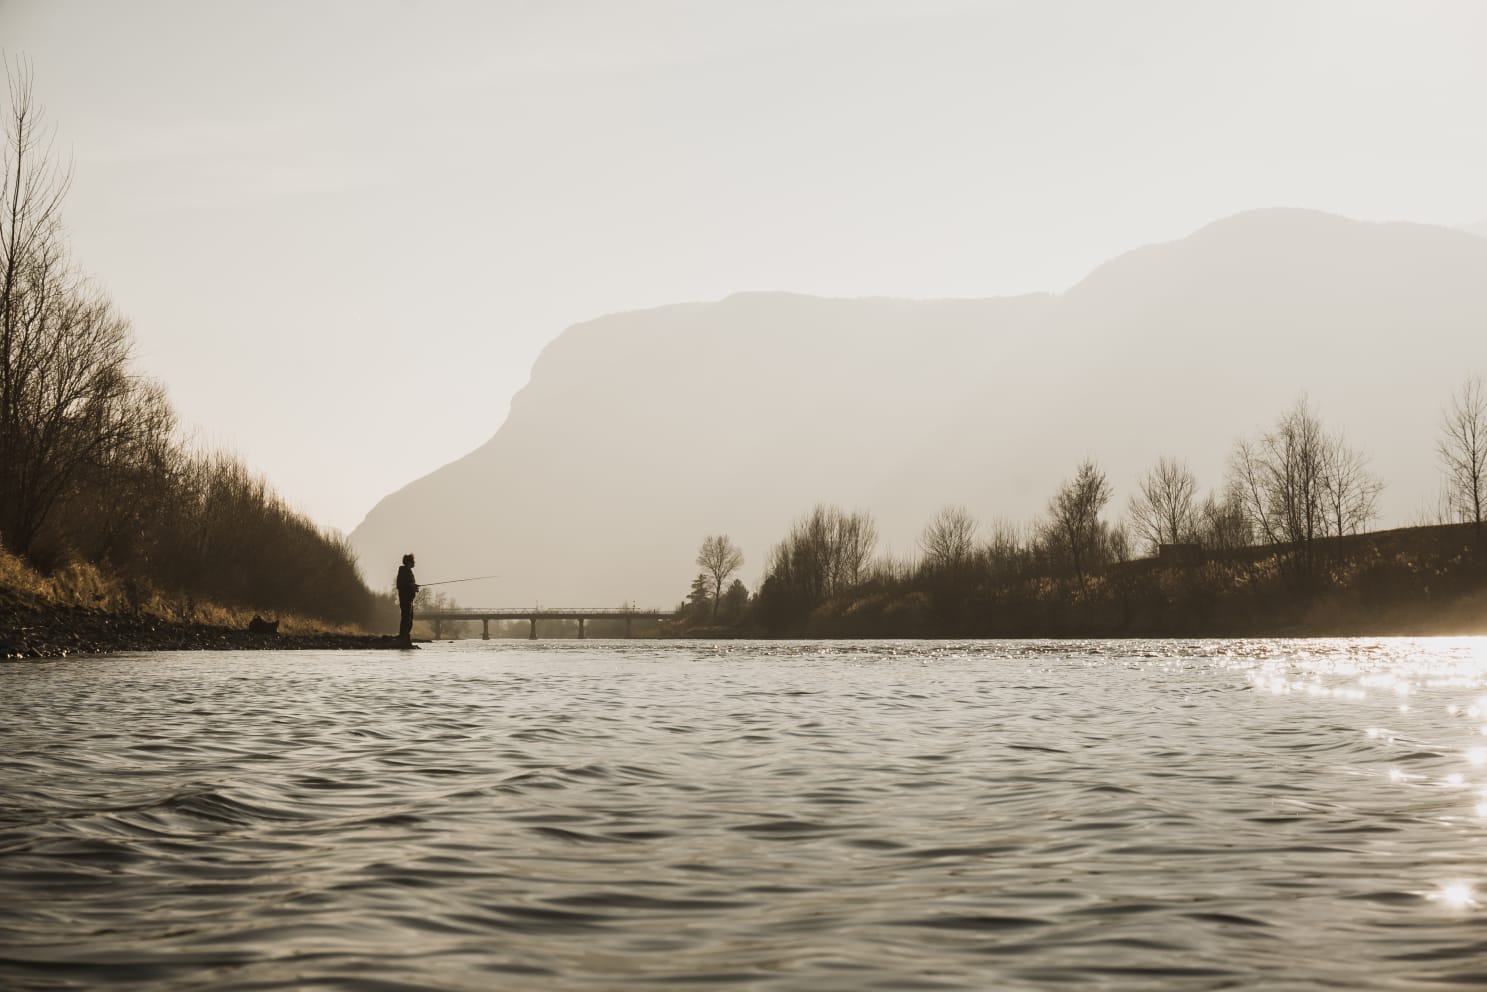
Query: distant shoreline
pixel 60 631
pixel 49 630
pixel 1279 632
pixel 56 631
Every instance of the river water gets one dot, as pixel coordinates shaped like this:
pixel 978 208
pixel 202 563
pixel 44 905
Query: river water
pixel 842 815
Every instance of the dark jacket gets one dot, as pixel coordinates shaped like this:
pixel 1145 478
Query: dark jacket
pixel 407 588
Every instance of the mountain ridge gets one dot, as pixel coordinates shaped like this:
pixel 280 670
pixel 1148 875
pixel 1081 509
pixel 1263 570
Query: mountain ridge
pixel 640 432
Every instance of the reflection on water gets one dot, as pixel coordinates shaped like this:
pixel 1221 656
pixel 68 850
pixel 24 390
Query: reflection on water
pixel 1016 815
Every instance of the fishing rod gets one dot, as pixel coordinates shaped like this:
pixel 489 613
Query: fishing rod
pixel 450 582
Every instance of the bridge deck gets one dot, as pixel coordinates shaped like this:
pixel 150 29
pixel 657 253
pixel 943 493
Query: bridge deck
pixel 532 614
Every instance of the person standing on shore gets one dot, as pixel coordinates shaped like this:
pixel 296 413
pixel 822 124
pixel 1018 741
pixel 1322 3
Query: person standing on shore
pixel 407 589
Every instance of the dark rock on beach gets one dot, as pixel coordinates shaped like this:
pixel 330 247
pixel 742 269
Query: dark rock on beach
pixel 48 631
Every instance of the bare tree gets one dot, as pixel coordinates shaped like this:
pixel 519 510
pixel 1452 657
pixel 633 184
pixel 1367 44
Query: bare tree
pixel 949 540
pixel 32 188
pixel 1224 522
pixel 1074 517
pixel 719 557
pixel 1279 480
pixel 1463 452
pixel 826 552
pixel 1009 549
pixel 1117 543
pixel 68 401
pixel 833 548
pixel 856 537
pixel 1350 491
pixel 1164 510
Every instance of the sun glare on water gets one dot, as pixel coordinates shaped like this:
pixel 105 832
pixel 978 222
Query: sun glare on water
pixel 1456 895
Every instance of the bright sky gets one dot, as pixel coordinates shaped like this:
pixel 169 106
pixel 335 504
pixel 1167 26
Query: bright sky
pixel 345 230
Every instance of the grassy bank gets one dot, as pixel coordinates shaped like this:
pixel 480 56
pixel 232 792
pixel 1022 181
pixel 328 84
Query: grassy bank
pixel 79 609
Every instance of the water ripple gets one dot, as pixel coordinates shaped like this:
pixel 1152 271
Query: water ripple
pixel 896 815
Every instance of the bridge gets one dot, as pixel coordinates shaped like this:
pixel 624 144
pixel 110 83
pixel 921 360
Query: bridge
pixel 532 614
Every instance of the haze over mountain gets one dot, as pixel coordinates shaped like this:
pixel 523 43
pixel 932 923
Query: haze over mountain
pixel 641 433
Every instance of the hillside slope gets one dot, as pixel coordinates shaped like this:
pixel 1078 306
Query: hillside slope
pixel 640 433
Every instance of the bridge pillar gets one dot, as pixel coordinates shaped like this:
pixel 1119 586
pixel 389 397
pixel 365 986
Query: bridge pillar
pixel 533 635
pixel 485 628
pixel 580 628
pixel 627 627
pixel 438 629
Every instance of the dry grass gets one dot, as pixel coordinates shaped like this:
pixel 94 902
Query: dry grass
pixel 83 584
pixel 74 585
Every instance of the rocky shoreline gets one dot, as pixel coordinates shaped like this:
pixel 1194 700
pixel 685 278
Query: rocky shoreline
pixel 30 631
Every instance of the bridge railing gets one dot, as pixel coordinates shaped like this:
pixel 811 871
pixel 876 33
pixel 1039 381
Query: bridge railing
pixel 567 613
pixel 476 613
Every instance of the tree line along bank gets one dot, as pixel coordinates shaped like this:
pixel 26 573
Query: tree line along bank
pixel 93 469
pixel 1281 547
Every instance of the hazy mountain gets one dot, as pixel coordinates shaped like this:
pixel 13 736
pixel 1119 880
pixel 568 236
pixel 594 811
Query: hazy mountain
pixel 641 433
pixel 1479 228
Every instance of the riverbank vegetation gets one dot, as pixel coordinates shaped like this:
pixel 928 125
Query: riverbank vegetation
pixel 1280 548
pixel 80 609
pixel 101 500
